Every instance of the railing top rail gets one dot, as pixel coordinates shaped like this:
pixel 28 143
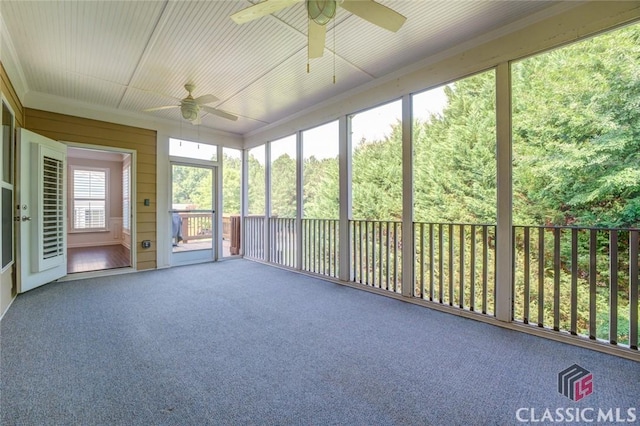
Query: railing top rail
pixel 192 211
pixel 454 223
pixel 582 228
pixel 319 218
pixel 375 221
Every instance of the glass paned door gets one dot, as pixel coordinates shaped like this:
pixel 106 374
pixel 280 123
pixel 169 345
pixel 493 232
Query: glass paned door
pixel 193 226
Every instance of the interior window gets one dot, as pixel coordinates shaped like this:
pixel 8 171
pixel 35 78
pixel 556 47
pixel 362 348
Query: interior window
pixel 126 203
pixel 89 192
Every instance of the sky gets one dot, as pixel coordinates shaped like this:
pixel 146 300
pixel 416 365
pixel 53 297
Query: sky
pixel 372 124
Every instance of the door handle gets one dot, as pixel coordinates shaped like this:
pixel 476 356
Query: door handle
pixel 26 218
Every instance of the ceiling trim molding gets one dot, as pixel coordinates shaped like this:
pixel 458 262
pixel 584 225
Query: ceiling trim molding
pixel 11 63
pixel 174 128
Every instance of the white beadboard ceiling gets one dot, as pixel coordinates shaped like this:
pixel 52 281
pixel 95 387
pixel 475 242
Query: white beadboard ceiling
pixel 133 55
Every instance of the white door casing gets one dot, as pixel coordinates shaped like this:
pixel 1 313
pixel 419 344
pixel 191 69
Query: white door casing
pixel 41 210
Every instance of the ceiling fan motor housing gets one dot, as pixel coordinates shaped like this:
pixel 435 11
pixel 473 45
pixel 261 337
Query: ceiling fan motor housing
pixel 321 11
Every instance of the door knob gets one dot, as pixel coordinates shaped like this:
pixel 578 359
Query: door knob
pixel 26 218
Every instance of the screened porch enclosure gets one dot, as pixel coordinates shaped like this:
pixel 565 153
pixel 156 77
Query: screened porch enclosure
pixel 510 196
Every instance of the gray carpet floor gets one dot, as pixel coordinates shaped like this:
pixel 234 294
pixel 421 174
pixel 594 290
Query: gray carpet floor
pixel 238 343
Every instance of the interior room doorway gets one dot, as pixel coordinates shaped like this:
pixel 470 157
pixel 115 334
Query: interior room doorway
pixel 99 213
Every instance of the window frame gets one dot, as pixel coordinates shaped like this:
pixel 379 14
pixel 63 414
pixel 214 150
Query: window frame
pixel 126 200
pixel 11 184
pixel 72 198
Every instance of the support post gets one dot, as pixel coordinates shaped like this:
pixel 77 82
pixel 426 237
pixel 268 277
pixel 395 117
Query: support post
pixel 408 250
pixel 344 150
pixel 504 228
pixel 244 198
pixel 219 204
pixel 267 201
pixel 299 198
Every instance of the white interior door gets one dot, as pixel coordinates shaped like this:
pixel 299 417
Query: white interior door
pixel 41 210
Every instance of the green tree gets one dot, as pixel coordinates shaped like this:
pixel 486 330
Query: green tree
pixel 321 191
pixel 256 186
pixel 283 187
pixel 576 121
pixel 455 163
pixel 231 178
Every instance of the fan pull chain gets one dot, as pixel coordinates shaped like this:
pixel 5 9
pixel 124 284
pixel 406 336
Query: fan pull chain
pixel 334 51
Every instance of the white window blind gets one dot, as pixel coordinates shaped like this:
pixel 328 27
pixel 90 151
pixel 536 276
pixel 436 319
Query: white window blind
pixel 126 205
pixel 89 199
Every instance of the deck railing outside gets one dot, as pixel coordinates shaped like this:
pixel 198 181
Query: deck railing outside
pixel 376 254
pixel 455 265
pixel 195 226
pixel 320 246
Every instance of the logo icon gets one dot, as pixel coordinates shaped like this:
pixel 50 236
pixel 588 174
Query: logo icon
pixel 575 382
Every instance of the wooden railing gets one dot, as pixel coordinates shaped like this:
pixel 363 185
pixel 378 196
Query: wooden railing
pixel 376 254
pixel 282 234
pixel 195 226
pixel 455 265
pixel 320 246
pixel 254 237
pixel 578 280
pixel 231 233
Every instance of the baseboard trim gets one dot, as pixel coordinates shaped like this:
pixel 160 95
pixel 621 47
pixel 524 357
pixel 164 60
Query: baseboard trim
pixel 98 243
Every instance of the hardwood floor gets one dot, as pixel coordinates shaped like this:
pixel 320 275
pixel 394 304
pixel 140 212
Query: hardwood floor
pixel 85 259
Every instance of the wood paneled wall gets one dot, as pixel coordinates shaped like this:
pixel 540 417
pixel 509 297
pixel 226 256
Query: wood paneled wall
pixel 6 88
pixel 81 130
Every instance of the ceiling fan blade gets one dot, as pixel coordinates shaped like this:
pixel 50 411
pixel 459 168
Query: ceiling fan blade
pixel 205 99
pixel 219 113
pixel 161 108
pixel 317 35
pixel 260 9
pixel 375 13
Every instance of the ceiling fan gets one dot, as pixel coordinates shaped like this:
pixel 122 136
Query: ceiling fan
pixel 190 107
pixel 320 12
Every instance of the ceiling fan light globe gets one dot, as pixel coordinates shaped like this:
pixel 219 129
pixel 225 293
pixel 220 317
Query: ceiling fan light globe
pixel 189 113
pixel 321 11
